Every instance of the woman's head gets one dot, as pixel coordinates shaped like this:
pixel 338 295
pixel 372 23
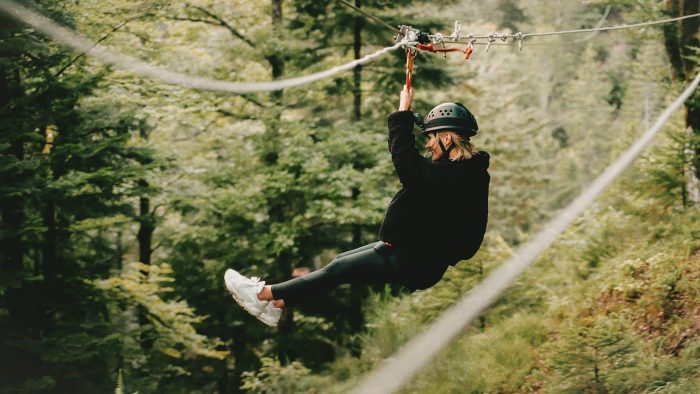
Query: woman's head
pixel 448 128
pixel 455 146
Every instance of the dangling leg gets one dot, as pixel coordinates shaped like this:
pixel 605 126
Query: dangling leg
pixel 363 265
pixel 353 251
pixel 266 294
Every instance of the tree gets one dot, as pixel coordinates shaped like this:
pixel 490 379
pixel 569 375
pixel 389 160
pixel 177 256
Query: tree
pixel 681 48
pixel 69 185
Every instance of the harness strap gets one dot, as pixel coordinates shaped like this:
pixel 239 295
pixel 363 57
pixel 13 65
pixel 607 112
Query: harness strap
pixel 445 151
pixel 410 55
pixel 430 48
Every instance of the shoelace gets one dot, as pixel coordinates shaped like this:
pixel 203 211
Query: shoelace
pixel 257 282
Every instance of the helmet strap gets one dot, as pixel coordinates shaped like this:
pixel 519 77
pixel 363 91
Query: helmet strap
pixel 445 151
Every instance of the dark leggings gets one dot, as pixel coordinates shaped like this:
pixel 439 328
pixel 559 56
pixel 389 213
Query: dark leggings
pixel 373 263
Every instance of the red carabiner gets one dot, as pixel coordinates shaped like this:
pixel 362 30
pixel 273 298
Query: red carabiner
pixel 431 48
pixel 468 52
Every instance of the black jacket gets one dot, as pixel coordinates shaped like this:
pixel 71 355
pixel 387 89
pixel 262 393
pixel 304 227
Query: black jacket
pixel 441 211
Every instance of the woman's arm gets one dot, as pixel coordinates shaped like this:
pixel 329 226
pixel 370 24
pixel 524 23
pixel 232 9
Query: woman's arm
pixel 406 99
pixel 412 168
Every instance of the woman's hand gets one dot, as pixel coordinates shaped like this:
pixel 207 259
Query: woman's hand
pixel 406 99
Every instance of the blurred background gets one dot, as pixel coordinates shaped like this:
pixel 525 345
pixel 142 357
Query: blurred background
pixel 124 200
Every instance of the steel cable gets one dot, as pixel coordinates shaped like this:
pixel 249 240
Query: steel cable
pixel 131 64
pixel 576 31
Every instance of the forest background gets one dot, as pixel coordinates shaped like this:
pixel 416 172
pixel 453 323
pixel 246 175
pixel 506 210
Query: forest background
pixel 124 200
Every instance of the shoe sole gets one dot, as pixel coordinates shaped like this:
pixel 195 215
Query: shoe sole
pixel 268 322
pixel 240 302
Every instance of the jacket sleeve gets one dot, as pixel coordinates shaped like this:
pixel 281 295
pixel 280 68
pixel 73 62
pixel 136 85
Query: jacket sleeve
pixel 413 169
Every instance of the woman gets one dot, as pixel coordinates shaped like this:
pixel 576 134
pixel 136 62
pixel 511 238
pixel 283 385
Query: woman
pixel 437 218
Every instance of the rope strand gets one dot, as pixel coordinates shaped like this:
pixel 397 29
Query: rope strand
pixel 131 64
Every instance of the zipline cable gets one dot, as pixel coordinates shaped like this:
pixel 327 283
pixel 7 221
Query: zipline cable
pixel 521 35
pixel 374 18
pixel 602 20
pixel 131 64
pixel 608 28
pixel 396 371
pixel 128 63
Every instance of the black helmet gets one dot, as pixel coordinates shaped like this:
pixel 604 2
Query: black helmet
pixel 450 116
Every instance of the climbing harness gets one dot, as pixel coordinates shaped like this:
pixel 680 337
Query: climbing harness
pixel 431 48
pixel 419 41
pixel 414 41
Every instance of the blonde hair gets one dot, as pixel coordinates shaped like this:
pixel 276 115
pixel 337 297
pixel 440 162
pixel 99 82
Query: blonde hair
pixel 465 150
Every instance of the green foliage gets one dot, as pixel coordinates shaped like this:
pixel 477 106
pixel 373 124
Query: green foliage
pixel 273 377
pixel 589 357
pixel 173 321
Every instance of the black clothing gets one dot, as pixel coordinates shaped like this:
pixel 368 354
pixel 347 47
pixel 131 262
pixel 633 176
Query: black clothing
pixel 373 263
pixel 439 216
pixel 436 219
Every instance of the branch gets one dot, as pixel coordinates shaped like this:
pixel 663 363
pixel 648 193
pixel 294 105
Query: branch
pixel 219 22
pixel 233 115
pixel 253 100
pixel 114 30
pixel 156 247
pixel 153 211
pixel 187 138
pixel 202 130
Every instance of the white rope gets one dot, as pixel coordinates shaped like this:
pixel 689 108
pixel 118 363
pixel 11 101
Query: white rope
pixel 396 371
pixel 131 64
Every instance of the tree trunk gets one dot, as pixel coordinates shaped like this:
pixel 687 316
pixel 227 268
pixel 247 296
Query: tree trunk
pixel 146 221
pixel 11 247
pixel 671 41
pixel 690 41
pixel 679 48
pixel 50 238
pixel 358 293
pixel 357 71
pixel 146 225
pixel 692 194
pixel 689 37
pixel 275 60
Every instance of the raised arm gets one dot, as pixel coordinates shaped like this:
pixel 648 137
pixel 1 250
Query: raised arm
pixel 412 168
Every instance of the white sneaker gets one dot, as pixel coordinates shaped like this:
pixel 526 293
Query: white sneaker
pixel 245 291
pixel 271 315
